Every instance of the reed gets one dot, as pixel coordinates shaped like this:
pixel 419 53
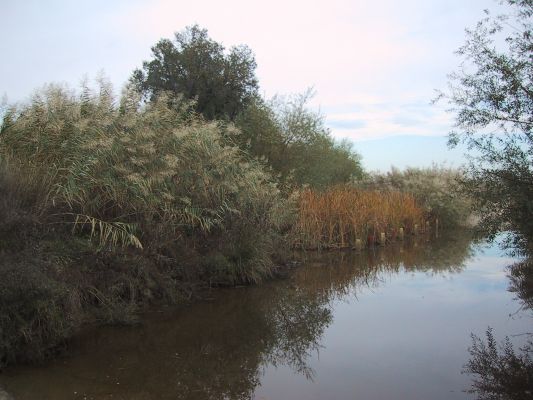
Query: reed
pixel 154 178
pixel 345 216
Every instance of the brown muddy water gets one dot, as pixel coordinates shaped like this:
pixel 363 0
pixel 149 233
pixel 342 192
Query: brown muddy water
pixel 390 323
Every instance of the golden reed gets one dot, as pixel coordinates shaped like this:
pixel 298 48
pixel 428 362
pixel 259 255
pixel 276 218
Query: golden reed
pixel 344 217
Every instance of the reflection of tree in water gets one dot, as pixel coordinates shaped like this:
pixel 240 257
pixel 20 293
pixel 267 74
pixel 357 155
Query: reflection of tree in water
pixel 501 372
pixel 218 349
pixel 521 282
pixel 298 325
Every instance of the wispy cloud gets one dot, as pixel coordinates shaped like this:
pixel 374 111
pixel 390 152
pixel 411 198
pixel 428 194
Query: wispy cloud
pixel 376 121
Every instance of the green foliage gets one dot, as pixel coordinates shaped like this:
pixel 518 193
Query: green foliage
pixel 492 100
pixel 500 372
pixel 437 190
pixel 198 68
pixel 293 140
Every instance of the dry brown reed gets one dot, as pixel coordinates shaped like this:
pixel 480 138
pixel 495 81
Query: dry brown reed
pixel 348 217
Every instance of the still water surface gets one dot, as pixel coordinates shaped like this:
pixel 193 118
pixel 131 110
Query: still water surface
pixel 390 323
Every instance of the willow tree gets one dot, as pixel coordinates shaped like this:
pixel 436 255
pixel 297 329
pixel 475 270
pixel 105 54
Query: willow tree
pixel 491 97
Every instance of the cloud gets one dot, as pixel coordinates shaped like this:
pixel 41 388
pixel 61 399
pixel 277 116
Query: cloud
pixel 380 120
pixel 346 124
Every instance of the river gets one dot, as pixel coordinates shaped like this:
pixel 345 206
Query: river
pixel 387 323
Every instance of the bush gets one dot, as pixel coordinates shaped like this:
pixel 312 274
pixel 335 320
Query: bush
pixel 436 189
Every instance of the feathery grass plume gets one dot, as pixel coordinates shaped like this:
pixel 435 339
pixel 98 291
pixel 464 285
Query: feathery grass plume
pixel 337 217
pixel 155 177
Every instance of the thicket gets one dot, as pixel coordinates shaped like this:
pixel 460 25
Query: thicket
pixel 150 177
pixel 438 190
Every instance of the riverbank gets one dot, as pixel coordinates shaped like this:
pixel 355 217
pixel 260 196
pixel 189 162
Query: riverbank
pixel 57 279
pixel 55 283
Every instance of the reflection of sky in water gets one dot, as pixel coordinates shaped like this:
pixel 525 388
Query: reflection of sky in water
pixel 408 337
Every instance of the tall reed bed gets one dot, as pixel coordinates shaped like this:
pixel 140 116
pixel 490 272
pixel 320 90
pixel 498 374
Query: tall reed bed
pixel 348 217
pixel 152 178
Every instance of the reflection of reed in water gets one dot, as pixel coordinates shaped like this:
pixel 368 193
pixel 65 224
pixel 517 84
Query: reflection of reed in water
pixel 340 273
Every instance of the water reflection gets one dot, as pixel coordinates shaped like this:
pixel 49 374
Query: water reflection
pixel 503 369
pixel 337 274
pixel 218 349
pixel 212 350
pixel 521 282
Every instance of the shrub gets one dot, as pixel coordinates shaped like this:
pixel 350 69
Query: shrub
pixel 436 189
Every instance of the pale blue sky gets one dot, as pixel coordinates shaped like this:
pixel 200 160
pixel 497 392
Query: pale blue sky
pixel 374 64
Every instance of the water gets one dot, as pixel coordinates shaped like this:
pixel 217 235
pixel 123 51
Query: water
pixel 393 323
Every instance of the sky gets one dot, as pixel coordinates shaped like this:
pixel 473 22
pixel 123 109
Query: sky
pixel 375 65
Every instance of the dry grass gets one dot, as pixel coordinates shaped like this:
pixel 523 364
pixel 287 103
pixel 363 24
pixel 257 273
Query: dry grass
pixel 347 217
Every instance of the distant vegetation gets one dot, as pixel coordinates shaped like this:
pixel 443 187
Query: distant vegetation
pixel 437 190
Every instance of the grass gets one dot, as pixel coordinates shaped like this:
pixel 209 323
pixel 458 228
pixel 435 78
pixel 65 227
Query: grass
pixel 343 217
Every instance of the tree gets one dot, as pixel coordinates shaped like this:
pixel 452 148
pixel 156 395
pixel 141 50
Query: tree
pixel 198 68
pixel 492 99
pixel 284 132
pixel 295 142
